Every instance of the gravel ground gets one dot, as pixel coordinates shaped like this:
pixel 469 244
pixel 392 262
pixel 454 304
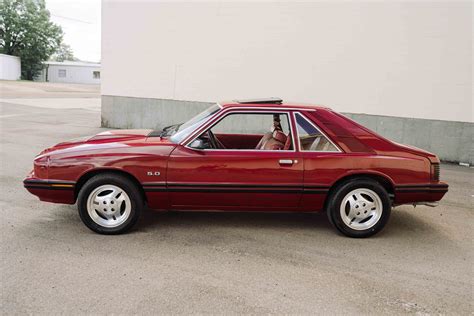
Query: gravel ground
pixel 217 263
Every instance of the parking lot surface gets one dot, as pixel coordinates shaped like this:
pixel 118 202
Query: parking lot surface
pixel 179 263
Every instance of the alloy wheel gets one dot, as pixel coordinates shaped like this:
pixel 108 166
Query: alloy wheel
pixel 109 206
pixel 361 209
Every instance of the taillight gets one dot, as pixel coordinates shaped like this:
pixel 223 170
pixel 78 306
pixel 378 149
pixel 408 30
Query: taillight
pixel 435 172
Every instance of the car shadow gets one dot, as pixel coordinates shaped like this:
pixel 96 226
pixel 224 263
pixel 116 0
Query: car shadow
pixel 406 222
pixel 151 220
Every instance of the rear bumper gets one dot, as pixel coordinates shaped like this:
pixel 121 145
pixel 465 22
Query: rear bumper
pixel 420 193
pixel 55 191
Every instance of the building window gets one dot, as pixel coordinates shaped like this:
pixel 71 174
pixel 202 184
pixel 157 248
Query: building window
pixel 96 74
pixel 62 73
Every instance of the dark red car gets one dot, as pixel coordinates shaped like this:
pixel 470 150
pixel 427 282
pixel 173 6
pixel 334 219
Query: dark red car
pixel 255 155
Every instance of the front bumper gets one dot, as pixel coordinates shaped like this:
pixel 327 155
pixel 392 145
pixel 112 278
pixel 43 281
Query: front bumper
pixel 55 191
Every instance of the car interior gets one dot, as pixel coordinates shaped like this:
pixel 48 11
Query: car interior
pixel 315 143
pixel 247 132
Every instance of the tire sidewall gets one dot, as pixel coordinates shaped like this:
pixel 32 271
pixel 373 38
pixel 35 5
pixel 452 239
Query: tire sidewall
pixel 339 194
pixel 121 182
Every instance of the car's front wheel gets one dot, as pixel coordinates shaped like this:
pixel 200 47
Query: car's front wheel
pixel 109 204
pixel 359 207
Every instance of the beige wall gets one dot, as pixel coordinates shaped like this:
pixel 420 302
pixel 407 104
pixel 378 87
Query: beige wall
pixel 407 59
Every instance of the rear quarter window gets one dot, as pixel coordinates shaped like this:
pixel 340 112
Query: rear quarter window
pixel 342 131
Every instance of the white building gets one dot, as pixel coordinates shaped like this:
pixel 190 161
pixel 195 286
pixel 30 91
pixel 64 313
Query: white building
pixel 70 72
pixel 403 69
pixel 10 67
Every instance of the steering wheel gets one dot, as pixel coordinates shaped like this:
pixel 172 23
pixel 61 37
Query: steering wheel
pixel 212 139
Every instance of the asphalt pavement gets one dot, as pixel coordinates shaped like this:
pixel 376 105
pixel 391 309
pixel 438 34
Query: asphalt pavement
pixel 219 263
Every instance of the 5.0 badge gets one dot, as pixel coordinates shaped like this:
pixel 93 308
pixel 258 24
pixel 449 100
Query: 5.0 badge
pixel 153 173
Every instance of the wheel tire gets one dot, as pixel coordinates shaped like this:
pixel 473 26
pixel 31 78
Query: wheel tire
pixel 339 215
pixel 120 210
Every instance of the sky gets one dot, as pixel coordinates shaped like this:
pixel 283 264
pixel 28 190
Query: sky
pixel 80 21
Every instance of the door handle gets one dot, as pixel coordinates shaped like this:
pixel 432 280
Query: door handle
pixel 287 161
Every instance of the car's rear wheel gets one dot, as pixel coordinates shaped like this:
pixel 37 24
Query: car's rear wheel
pixel 359 207
pixel 109 204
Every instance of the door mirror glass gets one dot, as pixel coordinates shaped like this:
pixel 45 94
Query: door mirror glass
pixel 198 144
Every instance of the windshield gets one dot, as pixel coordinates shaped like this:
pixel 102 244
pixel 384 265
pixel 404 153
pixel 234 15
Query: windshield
pixel 182 131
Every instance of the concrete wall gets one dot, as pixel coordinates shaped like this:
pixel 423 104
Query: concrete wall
pixel 451 141
pixel 10 67
pixel 74 74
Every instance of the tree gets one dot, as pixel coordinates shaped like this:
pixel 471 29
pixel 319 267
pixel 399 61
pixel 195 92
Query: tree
pixel 27 32
pixel 63 53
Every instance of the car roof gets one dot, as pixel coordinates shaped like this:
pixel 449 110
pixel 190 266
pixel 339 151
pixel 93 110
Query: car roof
pixel 267 103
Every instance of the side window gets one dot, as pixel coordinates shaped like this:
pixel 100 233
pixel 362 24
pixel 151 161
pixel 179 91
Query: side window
pixel 251 123
pixel 248 131
pixel 310 138
pixel 61 73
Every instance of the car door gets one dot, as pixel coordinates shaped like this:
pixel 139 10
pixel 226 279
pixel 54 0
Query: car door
pixel 236 179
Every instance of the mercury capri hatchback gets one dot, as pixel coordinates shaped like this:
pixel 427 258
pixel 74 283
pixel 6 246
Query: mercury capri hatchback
pixel 254 155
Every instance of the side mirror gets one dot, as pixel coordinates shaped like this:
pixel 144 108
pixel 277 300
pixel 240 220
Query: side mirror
pixel 197 144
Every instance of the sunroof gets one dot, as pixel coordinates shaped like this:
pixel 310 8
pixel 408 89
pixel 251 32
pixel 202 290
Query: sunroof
pixel 260 101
